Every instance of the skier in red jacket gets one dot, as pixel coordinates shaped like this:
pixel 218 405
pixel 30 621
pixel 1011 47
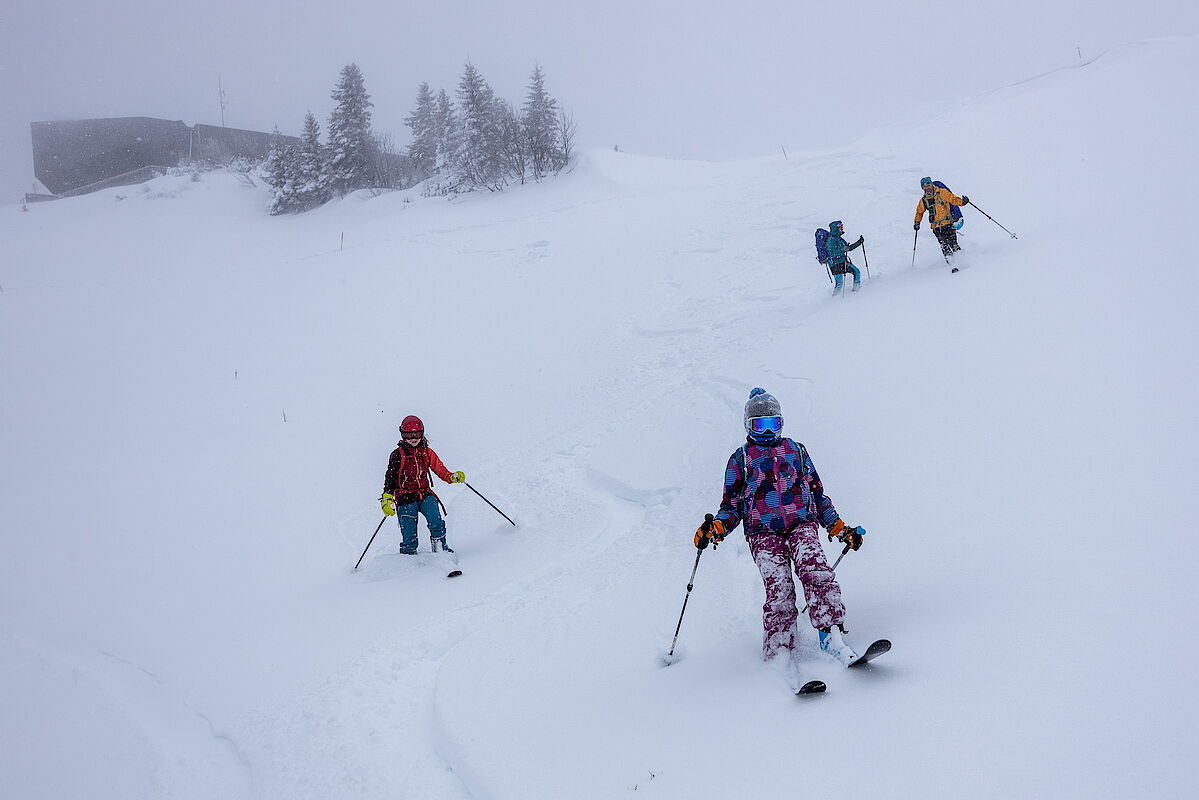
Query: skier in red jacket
pixel 408 490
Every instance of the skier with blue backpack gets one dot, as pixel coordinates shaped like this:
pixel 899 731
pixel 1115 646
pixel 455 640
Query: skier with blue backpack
pixel 836 251
pixel 772 488
pixel 944 215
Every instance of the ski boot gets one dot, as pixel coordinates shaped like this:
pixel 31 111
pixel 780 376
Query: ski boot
pixel 831 642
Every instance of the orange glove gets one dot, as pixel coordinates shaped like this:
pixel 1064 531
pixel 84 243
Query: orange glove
pixel 836 529
pixel 710 531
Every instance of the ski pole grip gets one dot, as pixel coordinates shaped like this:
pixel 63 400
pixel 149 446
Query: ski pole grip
pixel 707 522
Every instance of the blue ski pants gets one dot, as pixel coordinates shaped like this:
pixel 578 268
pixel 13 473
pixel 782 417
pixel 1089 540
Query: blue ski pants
pixel 406 514
pixel 849 267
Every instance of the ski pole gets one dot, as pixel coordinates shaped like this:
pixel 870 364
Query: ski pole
pixel 865 259
pixel 368 544
pixel 488 502
pixel 690 584
pixel 914 238
pixel 988 216
pixel 838 561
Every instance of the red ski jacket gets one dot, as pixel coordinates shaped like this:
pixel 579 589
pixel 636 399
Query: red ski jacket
pixel 407 477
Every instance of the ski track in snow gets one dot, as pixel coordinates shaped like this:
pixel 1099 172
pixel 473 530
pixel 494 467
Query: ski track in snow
pixel 193 757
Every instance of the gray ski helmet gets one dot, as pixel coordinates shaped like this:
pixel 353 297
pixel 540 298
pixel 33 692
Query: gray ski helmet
pixel 761 404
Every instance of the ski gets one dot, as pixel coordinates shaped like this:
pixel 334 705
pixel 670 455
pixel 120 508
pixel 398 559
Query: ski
pixel 872 652
pixel 453 572
pixel 800 681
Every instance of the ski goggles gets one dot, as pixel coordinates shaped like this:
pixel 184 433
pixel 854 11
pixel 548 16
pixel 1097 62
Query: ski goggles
pixel 412 434
pixel 765 424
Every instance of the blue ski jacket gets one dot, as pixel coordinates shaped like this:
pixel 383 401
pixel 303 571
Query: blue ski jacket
pixel 838 249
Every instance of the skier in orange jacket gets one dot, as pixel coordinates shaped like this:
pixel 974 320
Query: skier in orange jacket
pixel 939 203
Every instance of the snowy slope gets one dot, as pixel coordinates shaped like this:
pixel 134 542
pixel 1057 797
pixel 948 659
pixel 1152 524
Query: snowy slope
pixel 199 400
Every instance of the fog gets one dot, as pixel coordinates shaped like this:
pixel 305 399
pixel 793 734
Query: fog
pixel 694 79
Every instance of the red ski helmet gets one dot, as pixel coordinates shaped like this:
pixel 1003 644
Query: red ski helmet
pixel 412 424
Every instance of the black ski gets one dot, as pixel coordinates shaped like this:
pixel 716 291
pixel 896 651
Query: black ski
pixel 872 652
pixel 811 687
pixel 454 572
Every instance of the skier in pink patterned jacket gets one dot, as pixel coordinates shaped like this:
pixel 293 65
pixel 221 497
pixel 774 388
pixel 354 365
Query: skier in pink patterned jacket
pixel 771 486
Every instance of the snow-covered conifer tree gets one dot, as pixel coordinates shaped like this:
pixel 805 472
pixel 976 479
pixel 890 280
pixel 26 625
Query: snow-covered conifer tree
pixel 422 152
pixel 479 163
pixel 274 167
pixel 350 159
pixel 286 171
pixel 539 116
pixel 311 181
pixel 449 132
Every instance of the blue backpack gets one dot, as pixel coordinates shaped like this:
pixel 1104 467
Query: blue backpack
pixel 822 245
pixel 955 213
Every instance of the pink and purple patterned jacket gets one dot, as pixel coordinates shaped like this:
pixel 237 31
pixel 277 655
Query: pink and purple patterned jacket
pixel 779 491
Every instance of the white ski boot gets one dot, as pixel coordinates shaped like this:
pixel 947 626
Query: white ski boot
pixel 831 642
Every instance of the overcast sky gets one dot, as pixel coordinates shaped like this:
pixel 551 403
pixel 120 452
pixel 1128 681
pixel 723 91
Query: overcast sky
pixel 695 79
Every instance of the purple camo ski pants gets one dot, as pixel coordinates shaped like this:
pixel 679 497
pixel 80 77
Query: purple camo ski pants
pixel 776 555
